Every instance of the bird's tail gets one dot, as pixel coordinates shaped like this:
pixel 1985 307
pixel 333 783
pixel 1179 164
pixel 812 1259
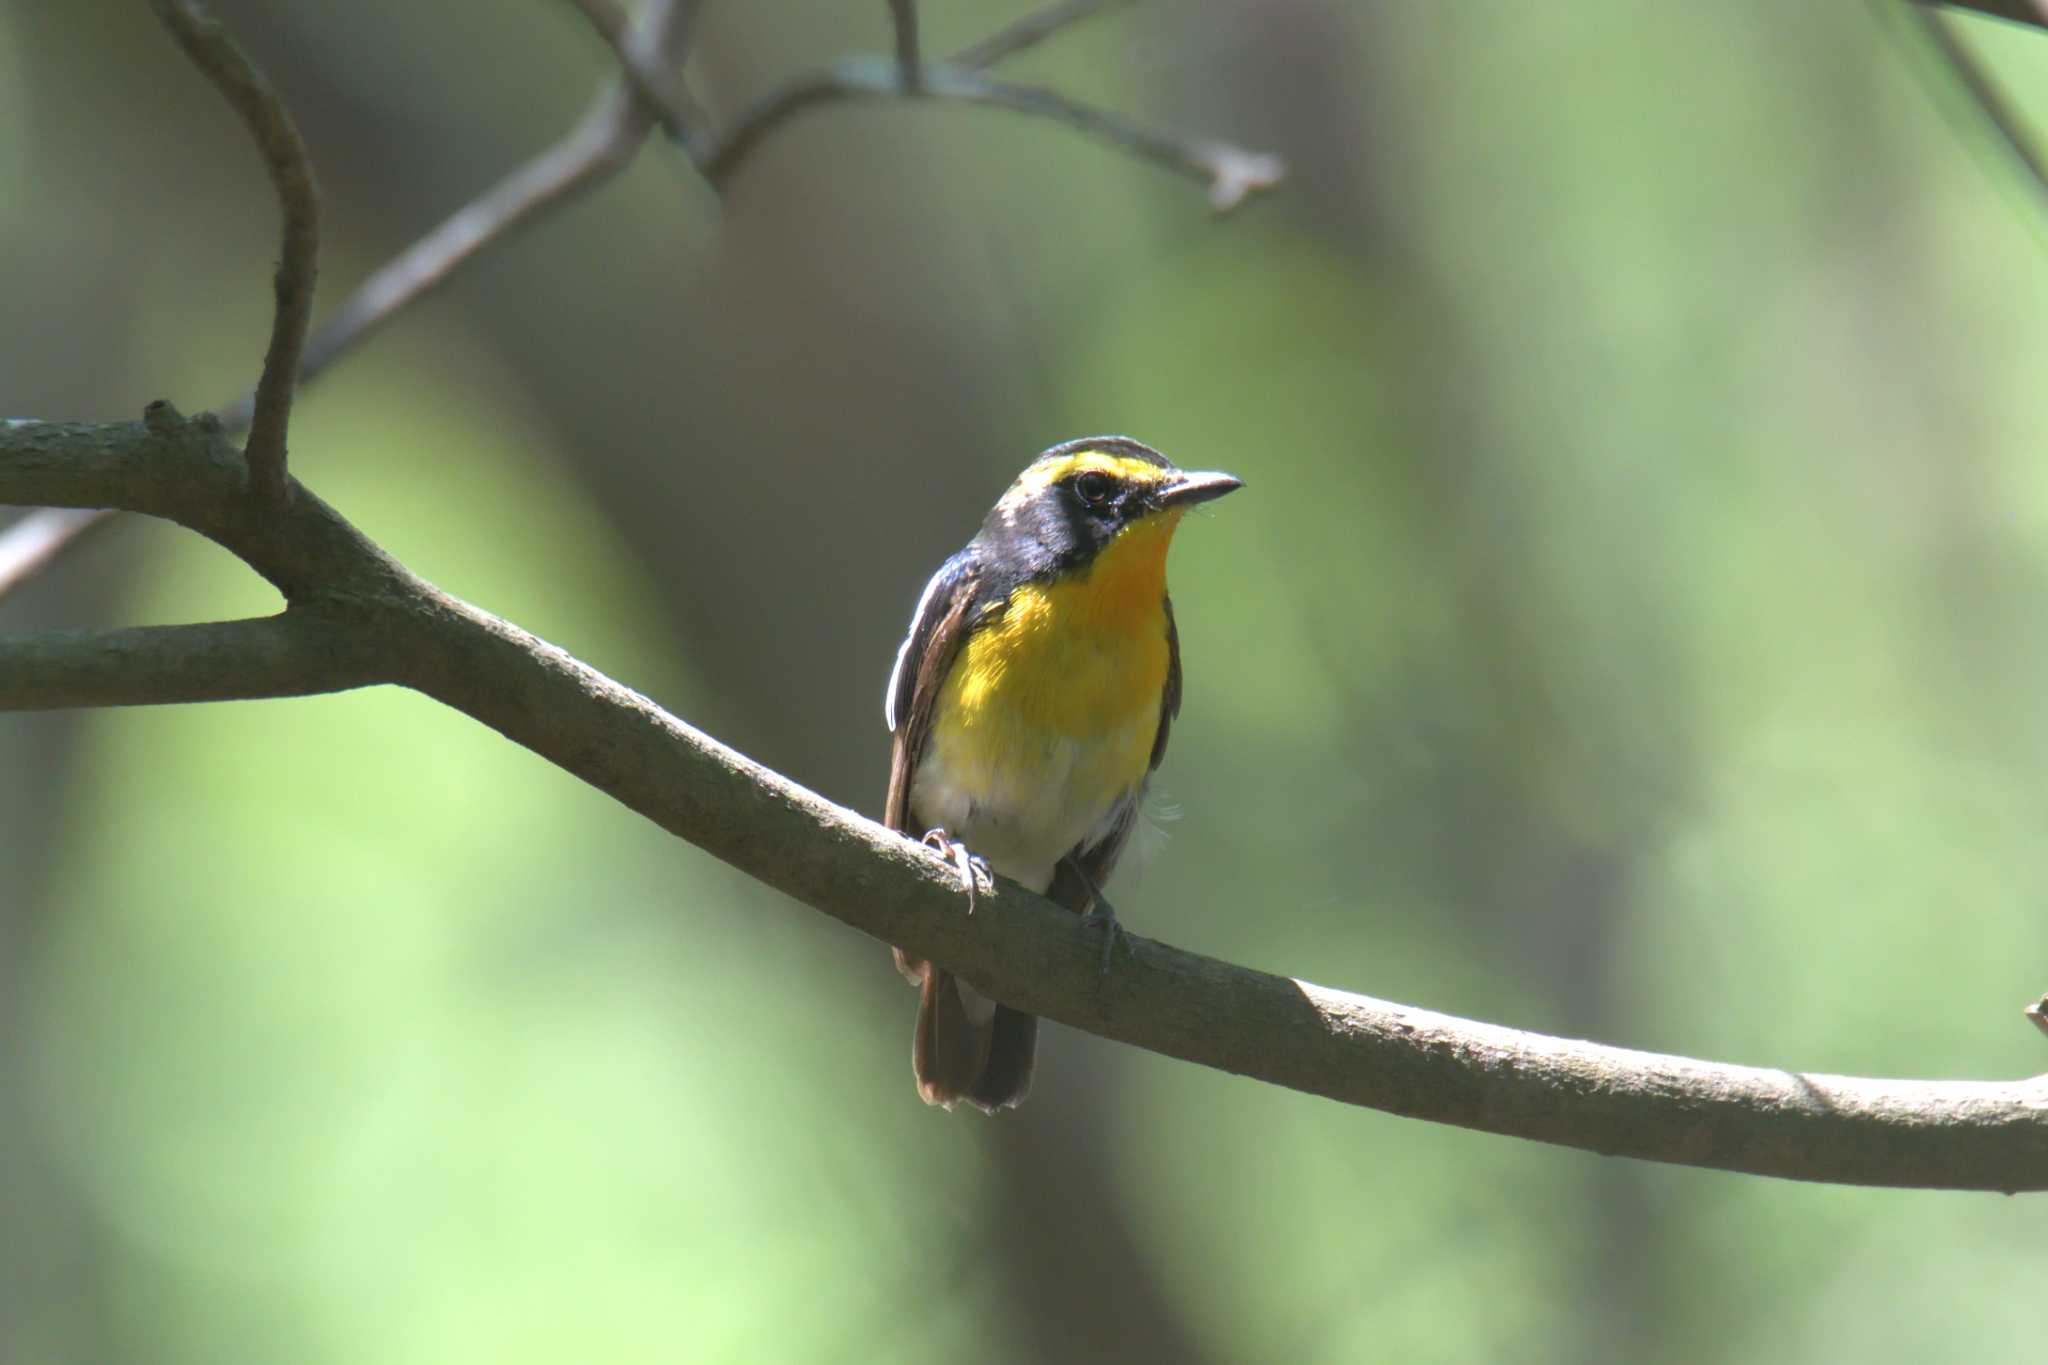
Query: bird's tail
pixel 967 1047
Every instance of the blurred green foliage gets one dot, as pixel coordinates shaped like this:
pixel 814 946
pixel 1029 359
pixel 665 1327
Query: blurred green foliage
pixel 1631 630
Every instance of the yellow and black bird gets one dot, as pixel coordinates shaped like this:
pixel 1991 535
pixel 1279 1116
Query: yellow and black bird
pixel 1029 705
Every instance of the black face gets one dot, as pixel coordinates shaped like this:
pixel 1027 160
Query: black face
pixel 1062 525
pixel 1068 522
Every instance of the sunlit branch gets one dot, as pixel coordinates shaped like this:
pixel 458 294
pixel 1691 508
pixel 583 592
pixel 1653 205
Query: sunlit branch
pixel 356 616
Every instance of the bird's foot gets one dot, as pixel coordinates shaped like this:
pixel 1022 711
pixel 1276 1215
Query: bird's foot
pixel 1103 917
pixel 973 870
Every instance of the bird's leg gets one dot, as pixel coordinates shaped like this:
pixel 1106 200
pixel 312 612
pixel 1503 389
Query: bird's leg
pixel 1101 915
pixel 972 870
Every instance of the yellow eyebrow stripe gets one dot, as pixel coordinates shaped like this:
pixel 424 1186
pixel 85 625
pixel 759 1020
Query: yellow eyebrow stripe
pixel 1046 473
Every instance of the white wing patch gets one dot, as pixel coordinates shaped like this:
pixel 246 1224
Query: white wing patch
pixel 924 603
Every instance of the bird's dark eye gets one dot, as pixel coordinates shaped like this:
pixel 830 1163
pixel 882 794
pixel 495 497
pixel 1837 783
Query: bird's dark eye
pixel 1094 488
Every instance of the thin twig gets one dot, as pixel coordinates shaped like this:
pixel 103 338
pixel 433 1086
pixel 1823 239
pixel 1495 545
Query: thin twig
pixel 291 172
pixel 1029 31
pixel 2006 121
pixel 596 149
pixel 1233 173
pixel 600 145
pixel 658 84
pixel 909 61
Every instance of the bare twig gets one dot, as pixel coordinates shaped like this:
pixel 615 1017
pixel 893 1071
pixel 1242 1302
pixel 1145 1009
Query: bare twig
pixel 1233 173
pixel 599 147
pixel 603 143
pixel 2006 121
pixel 1029 31
pixel 660 85
pixel 215 54
pixel 909 62
pixel 355 616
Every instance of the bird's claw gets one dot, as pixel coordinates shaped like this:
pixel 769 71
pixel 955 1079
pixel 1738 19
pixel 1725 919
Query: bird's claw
pixel 973 870
pixel 1113 936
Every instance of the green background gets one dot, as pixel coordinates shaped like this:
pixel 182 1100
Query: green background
pixel 1632 629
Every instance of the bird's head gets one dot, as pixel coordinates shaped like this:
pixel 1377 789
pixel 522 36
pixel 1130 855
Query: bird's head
pixel 1081 497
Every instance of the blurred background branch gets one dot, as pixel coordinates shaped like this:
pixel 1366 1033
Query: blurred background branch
pixel 653 71
pixel 909 59
pixel 1233 174
pixel 30 543
pixel 1027 31
pixel 600 146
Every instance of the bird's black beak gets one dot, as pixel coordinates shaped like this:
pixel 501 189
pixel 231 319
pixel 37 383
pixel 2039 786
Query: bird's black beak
pixel 1198 487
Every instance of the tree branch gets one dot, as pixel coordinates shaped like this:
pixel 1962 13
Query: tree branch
pixel 657 82
pixel 347 597
pixel 600 146
pixel 603 143
pixel 909 61
pixel 284 153
pixel 1233 173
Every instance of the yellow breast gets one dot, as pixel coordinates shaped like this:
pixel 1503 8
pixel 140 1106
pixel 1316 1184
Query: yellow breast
pixel 1046 722
pixel 1079 656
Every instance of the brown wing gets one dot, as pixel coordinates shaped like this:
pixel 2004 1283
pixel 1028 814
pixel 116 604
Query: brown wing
pixel 1098 862
pixel 1169 700
pixel 935 638
pixel 936 634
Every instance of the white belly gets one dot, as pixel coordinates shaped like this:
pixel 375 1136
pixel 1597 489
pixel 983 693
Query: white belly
pixel 1026 813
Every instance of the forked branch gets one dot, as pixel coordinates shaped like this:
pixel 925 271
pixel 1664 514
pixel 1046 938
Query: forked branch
pixel 650 90
pixel 291 172
pixel 354 616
